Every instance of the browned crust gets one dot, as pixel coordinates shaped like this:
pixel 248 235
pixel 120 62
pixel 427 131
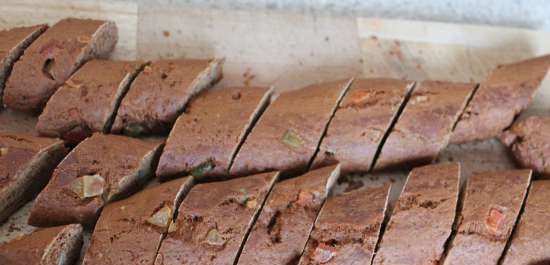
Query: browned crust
pixel 282 229
pixel 161 92
pixel 25 167
pixel 88 100
pixel 424 127
pixel 492 204
pixel 508 90
pixel 292 128
pixel 124 163
pixel 12 44
pixel 204 139
pixel 49 61
pixel 424 214
pixel 123 235
pixel 360 123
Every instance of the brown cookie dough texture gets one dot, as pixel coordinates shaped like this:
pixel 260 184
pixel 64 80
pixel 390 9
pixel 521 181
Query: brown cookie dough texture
pixel 360 123
pixel 100 169
pixel 213 221
pixel 49 61
pixel 423 218
pixel 529 245
pixel 161 92
pixel 13 42
pixel 26 163
pixel 347 229
pixel 291 129
pixel 205 138
pixel 282 229
pixel 425 125
pixel 529 141
pixel 508 90
pixel 129 231
pixel 491 207
pixel 88 101
pixel 45 246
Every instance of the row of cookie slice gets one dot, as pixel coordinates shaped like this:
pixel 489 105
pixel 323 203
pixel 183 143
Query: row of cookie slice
pixel 216 222
pixel 38 59
pixel 73 187
pixel 133 98
pixel 364 124
pixel 47 67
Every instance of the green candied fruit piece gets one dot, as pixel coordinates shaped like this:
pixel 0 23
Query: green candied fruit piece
pixel 292 139
pixel 246 200
pixel 134 130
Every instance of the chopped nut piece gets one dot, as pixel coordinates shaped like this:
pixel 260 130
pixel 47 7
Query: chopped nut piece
pixel 88 186
pixel 134 129
pixel 161 218
pixel 494 220
pixel 419 99
pixel 84 39
pixel 147 69
pixel 292 139
pixel 252 204
pixel 243 198
pixel 323 253
pixel 201 169
pixel 214 238
pixel 3 151
pixel 172 227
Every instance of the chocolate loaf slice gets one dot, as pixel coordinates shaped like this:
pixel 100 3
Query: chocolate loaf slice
pixel 26 163
pixel 45 246
pixel 529 142
pixel 12 44
pixel 347 229
pixel 206 137
pixel 88 101
pixel 508 90
pixel 530 241
pixel 291 128
pixel 282 229
pixel 160 93
pixel 100 169
pixel 130 231
pixel 360 123
pixel 213 221
pixel 426 124
pixel 423 218
pixel 492 204
pixel 49 61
